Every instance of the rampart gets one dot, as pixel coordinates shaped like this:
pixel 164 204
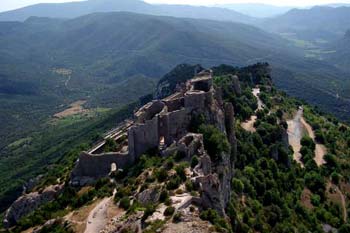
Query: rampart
pixel 157 124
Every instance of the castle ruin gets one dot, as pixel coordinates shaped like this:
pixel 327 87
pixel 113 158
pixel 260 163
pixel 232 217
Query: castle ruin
pixel 157 124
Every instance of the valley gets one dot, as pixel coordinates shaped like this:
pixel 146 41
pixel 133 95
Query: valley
pixel 260 112
pixel 168 180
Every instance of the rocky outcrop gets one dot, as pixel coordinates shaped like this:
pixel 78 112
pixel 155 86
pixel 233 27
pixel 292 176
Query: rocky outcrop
pixel 166 124
pixel 29 202
pixel 236 85
pixel 148 196
pixel 211 192
pixel 172 81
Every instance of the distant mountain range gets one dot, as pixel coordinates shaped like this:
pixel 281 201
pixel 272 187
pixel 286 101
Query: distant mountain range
pixel 76 9
pixel 256 9
pixel 317 23
pixel 339 53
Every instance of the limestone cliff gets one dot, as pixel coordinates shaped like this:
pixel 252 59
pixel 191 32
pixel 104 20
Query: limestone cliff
pixel 29 202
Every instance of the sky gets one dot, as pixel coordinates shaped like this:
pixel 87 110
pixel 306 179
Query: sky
pixel 14 4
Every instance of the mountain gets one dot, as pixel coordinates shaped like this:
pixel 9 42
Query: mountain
pixel 257 10
pixel 317 23
pixel 76 9
pixel 104 50
pixel 102 60
pixel 235 155
pixel 339 52
pixel 106 60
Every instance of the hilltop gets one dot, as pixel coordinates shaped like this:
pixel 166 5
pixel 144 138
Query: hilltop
pixel 77 9
pixel 187 162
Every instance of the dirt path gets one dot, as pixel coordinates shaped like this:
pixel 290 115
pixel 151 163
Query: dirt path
pixel 337 196
pixel 320 150
pixel 249 124
pixel 67 81
pixel 295 133
pixel 343 204
pixel 256 92
pixel 98 217
pixel 296 129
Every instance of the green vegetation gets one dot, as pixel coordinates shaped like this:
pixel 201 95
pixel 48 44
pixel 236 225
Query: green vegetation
pixel 52 152
pixel 268 184
pixel 270 191
pixel 215 142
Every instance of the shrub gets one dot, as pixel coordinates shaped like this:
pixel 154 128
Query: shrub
pixel 110 145
pixel 194 161
pixel 124 203
pixel 169 164
pixel 173 183
pixel 169 211
pixel 238 185
pixel 161 174
pixel 215 142
pixel 177 217
pixel 164 195
pixel 148 211
pixel 335 178
pixel 180 171
pixel 308 142
pixel 315 200
pixel 213 217
pixel 189 186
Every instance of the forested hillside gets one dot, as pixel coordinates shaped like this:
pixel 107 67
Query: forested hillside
pixel 272 189
pixel 48 64
pixel 76 9
pixel 318 24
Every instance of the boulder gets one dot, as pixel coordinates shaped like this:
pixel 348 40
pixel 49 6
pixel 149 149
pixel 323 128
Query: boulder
pixel 29 202
pixel 148 196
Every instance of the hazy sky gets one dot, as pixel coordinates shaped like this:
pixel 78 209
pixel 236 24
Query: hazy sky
pixel 13 4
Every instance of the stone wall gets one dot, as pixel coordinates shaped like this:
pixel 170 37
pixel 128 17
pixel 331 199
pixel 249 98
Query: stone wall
pixel 142 137
pixel 159 120
pixel 91 167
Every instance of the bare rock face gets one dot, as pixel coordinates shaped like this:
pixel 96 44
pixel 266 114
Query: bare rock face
pixel 29 202
pixel 148 196
pixel 204 166
pixel 236 85
pixel 122 224
pixel 211 193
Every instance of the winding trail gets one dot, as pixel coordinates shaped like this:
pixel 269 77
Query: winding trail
pixel 256 92
pixel 295 133
pixel 320 150
pixel 339 196
pixel 343 204
pixel 98 217
pixel 297 127
pixel 249 124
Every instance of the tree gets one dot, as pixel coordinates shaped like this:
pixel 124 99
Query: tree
pixel 215 142
pixel 345 228
pixel 110 145
pixel 308 142
pixel 237 185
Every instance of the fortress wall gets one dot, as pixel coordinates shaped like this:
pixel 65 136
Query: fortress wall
pixel 175 104
pixel 148 111
pixel 195 99
pixel 98 166
pixel 177 123
pixel 143 137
